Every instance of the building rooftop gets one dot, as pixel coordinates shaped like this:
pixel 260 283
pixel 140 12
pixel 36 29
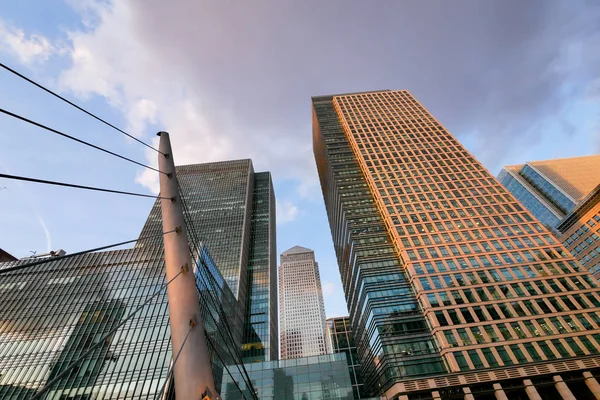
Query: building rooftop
pixel 296 250
pixel 577 176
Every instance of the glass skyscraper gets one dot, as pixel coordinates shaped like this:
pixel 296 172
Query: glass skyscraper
pixel 551 189
pixel 454 289
pixel 232 211
pixel 341 340
pixel 52 314
pixel 580 231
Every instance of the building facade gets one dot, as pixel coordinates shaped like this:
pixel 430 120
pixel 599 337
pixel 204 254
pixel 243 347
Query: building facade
pixel 580 232
pixel 551 189
pixel 453 288
pixel 341 340
pixel 232 210
pixel 323 377
pixel 56 313
pixel 301 309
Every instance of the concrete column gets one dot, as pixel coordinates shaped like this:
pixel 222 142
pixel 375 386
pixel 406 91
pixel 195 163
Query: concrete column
pixel 436 395
pixel 403 397
pixel 531 391
pixel 192 369
pixel 468 394
pixel 499 393
pixel 592 384
pixel 562 388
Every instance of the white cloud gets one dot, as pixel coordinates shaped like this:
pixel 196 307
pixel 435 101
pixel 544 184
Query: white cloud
pixel 328 288
pixel 157 81
pixel 28 48
pixel 286 211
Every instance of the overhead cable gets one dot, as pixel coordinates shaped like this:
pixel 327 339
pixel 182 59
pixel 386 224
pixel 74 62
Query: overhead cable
pixel 29 121
pixel 79 253
pixel 76 106
pixel 27 179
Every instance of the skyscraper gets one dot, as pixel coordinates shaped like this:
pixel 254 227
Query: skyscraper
pixel 84 308
pixel 232 210
pixel 551 189
pixel 445 274
pixel 580 231
pixel 301 309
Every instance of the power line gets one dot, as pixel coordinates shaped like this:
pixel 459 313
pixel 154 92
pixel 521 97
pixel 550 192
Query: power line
pixel 26 179
pixel 102 340
pixel 29 121
pixel 79 253
pixel 76 106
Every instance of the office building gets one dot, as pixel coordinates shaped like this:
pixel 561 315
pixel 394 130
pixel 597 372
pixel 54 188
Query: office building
pixel 341 340
pixel 551 189
pixel 232 210
pixel 301 309
pixel 454 289
pixel 322 377
pixel 55 313
pixel 580 231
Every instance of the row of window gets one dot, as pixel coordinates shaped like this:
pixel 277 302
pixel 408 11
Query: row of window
pixel 515 309
pixel 529 328
pixel 493 293
pixel 526 352
pixel 504 275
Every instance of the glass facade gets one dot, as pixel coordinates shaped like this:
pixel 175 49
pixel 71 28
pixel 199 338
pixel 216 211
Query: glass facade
pixel 322 377
pixel 261 326
pixel 580 232
pixel 232 211
pixel 52 314
pixel 540 208
pixel 554 195
pixel 341 340
pixel 445 242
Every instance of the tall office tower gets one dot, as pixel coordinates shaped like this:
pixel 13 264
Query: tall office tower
pixel 580 231
pixel 551 189
pixel 341 340
pixel 96 326
pixel 453 288
pixel 301 309
pixel 232 210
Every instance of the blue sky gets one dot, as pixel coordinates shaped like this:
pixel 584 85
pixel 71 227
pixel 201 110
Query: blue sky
pixel 514 81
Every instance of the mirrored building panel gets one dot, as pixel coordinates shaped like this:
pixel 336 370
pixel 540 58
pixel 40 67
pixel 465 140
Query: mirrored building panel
pixel 97 326
pixel 232 211
pixel 322 377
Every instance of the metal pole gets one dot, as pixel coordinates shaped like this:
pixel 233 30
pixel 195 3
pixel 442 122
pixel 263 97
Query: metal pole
pixel 192 371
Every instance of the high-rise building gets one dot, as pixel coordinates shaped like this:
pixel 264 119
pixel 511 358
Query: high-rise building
pixel 454 289
pixel 341 340
pixel 580 231
pixel 301 309
pixel 53 313
pixel 232 210
pixel 551 189
pixel 109 312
